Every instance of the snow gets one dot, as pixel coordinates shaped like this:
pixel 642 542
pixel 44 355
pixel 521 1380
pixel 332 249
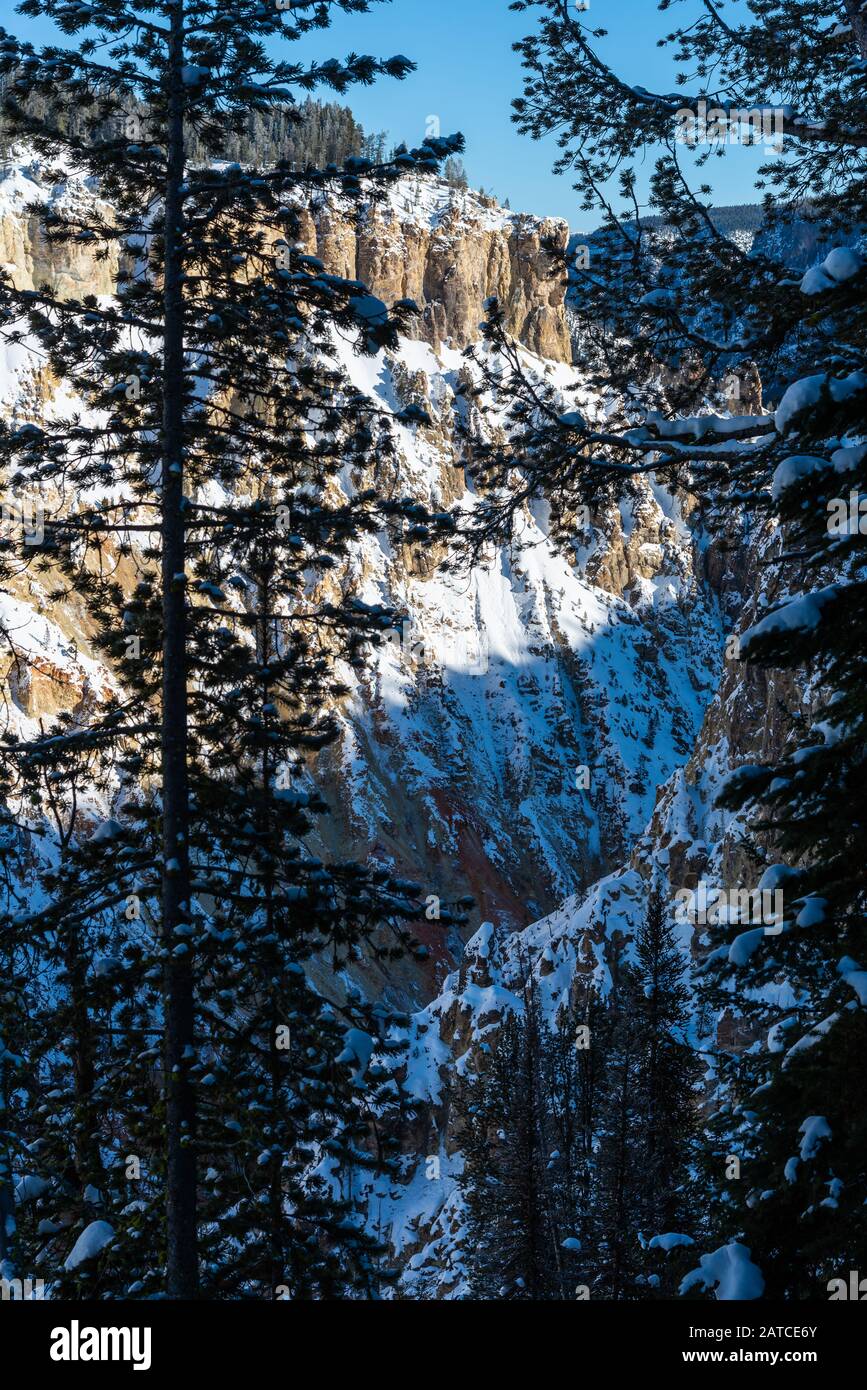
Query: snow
pixel 104 966
pixel 776 1041
pixel 835 1187
pixel 493 973
pixel 812 914
pixel 806 393
pixel 92 1240
pixel 669 1241
pixel 744 945
pixel 848 458
pixel 729 1271
pixel 41 641
pixel 799 615
pixel 372 314
pixel 693 427
pixel 29 1188
pixel 358 1050
pixel 777 876
pixel 839 265
pixel 434 203
pixel 815 1035
pixel 106 831
pixel 658 299
pixel 573 419
pixel 855 978
pixel 814 1129
pixel 792 470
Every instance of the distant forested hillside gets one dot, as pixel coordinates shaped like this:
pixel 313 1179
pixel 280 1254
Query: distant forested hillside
pixel 740 217
pixel 800 241
pixel 314 132
pixel 317 133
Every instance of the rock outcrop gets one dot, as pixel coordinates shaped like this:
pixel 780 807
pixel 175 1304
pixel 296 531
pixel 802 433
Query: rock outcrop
pixel 510 742
pixel 72 269
pixel 448 250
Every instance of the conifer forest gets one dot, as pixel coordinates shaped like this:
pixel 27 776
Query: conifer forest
pixel 433 670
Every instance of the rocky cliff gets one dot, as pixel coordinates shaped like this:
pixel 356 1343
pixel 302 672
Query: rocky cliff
pixel 27 189
pixel 509 744
pixel 448 249
pixel 543 731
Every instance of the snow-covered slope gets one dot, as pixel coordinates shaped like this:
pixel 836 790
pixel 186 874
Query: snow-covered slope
pixel 511 743
pixel 542 731
pixel 688 840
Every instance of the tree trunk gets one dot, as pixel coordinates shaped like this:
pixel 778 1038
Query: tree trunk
pixel 7 1195
pixel 858 19
pixel 275 1069
pixel 181 1236
pixel 86 1148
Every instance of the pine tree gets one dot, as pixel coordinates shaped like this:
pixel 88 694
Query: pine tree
pixel 309 134
pixel 211 370
pixel 572 1062
pixel 527 1137
pixel 454 172
pixel 11 1013
pixel 664 314
pixel 669 1074
pixel 486 1106
pixel 668 1096
pixel 504 1180
pixel 618 1186
pixel 643 1116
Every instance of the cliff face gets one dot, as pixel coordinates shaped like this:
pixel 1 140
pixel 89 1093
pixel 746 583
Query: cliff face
pixel 509 743
pixel 72 270
pixel 543 730
pixel 449 250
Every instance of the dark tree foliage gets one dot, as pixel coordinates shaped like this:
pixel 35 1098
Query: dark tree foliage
pixel 647 1119
pixel 664 312
pixel 579 1136
pixel 669 1074
pixel 736 217
pixel 172 1077
pixel 514 1182
pixel 618 1178
pixel 307 134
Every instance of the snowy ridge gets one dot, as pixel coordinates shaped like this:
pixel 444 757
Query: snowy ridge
pixel 510 742
pixel 526 714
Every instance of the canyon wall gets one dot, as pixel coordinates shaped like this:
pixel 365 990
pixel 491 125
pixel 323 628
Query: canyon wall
pixel 449 249
pixel 510 743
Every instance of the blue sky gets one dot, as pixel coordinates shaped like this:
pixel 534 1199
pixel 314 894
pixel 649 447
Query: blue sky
pixel 467 76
